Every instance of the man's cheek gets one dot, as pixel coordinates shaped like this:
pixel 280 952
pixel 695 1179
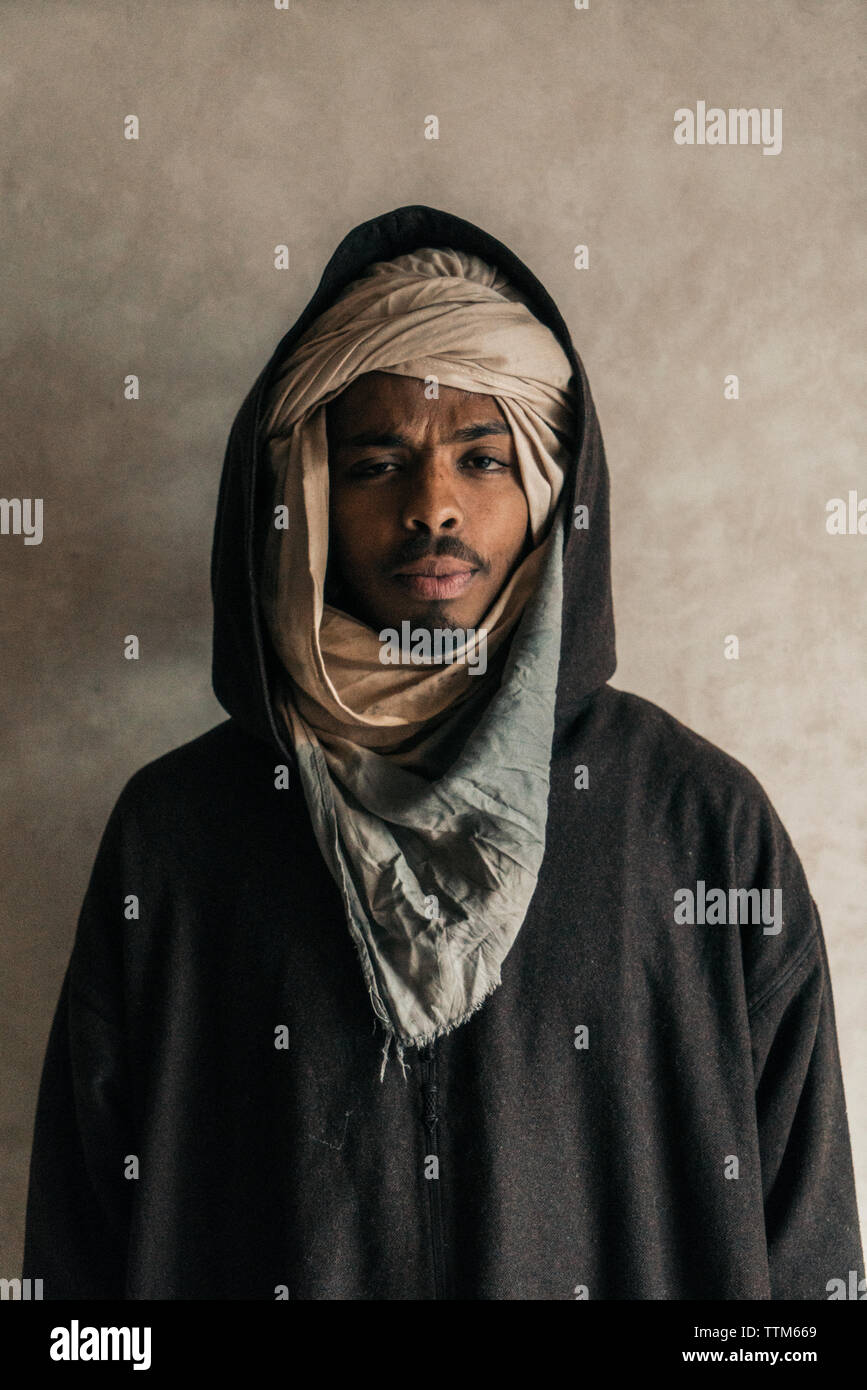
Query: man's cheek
pixel 360 572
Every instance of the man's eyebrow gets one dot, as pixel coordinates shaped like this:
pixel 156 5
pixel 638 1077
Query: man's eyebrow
pixel 387 440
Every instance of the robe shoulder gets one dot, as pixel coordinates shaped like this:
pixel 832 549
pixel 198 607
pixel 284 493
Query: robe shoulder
pixel 684 811
pixel 222 758
pixel 193 836
pixel 195 798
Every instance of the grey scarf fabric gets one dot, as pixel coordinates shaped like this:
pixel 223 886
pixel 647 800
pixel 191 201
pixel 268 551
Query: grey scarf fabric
pixel 437 875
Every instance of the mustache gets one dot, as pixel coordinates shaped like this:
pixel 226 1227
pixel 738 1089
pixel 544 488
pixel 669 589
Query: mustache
pixel 420 547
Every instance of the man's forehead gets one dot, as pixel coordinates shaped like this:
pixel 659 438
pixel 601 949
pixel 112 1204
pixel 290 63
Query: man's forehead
pixel 385 399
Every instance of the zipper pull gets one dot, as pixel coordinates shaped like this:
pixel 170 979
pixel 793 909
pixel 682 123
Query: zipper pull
pixel 429 1090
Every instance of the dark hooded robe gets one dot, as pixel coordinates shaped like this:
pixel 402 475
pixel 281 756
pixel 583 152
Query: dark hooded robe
pixel 649 1106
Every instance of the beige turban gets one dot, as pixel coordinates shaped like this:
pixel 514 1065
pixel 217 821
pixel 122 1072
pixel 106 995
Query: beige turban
pixel 434 313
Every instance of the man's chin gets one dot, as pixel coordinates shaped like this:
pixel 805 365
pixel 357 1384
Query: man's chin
pixel 427 616
pixel 428 619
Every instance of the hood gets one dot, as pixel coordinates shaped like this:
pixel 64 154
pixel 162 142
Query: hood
pixel 244 661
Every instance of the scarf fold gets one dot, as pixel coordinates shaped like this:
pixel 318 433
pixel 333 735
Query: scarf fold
pixel 427 786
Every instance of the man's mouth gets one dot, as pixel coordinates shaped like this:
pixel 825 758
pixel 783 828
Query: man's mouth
pixel 437 579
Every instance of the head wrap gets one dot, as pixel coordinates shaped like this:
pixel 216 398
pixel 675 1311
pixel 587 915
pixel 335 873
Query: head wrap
pixel 427 786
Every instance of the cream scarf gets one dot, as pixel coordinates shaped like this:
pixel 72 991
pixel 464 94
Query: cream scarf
pixel 427 786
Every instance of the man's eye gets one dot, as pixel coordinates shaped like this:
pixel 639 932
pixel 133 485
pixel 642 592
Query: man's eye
pixel 486 458
pixel 371 468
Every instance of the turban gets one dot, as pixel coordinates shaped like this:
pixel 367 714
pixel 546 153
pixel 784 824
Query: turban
pixel 432 314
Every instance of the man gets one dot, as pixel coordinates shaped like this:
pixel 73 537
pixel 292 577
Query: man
pixel 437 978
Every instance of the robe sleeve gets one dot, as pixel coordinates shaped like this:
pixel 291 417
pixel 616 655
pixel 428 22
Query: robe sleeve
pixel 811 1217
pixel 79 1199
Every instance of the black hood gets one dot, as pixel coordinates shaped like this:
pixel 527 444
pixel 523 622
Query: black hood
pixel 244 661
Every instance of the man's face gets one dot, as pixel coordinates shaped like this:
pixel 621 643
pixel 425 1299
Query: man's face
pixel 428 517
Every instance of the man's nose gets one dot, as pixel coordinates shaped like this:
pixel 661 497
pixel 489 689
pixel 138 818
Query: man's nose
pixel 431 502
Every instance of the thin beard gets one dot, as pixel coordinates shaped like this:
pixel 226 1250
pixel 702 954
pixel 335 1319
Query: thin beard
pixel 432 622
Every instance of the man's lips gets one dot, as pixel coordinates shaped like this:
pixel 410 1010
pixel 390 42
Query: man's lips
pixel 435 579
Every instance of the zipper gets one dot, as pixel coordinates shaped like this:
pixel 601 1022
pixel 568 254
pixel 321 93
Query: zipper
pixel 430 1120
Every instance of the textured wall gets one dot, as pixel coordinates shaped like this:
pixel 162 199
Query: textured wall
pixel 155 256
